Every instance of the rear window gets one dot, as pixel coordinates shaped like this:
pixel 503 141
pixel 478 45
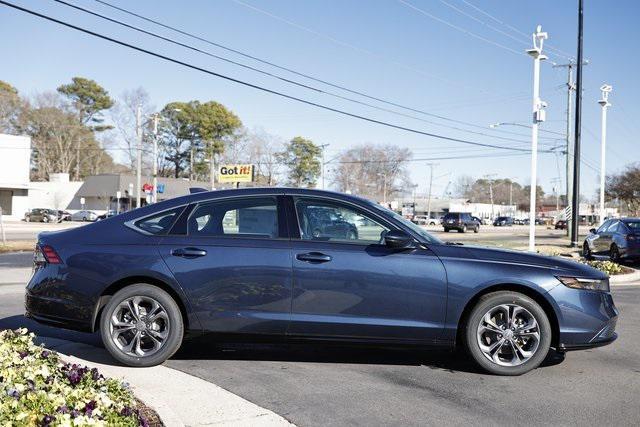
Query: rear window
pixel 159 223
pixel 451 216
pixel 633 226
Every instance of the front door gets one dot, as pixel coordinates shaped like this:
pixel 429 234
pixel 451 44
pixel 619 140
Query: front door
pixel 234 265
pixel 348 284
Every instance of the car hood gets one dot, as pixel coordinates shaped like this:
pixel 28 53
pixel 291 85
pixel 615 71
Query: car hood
pixel 504 256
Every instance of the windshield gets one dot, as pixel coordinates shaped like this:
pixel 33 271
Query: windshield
pixel 408 224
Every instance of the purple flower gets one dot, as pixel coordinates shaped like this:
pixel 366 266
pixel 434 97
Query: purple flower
pixel 126 411
pixel 90 406
pixel 75 374
pixel 62 409
pixel 96 375
pixel 75 413
pixel 31 385
pixel 23 354
pixel 47 420
pixel 142 421
pixel 45 354
pixel 13 393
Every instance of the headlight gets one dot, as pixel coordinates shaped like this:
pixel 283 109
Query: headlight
pixel 583 283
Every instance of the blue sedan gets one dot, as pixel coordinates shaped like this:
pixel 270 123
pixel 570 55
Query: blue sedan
pixel 619 239
pixel 254 262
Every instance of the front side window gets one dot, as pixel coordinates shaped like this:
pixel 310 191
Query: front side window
pixel 250 217
pixel 159 223
pixel 613 227
pixel 336 222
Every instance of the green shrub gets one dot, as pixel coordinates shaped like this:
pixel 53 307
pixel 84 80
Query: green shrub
pixel 37 388
pixel 611 268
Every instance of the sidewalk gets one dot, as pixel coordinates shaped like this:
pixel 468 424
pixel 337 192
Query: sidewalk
pixel 179 399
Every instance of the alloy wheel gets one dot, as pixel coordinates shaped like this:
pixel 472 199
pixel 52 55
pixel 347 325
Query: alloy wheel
pixel 139 326
pixel 508 335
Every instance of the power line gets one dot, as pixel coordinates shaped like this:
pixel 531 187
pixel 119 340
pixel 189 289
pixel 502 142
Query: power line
pixel 458 28
pixel 515 30
pixel 315 89
pixel 307 76
pixel 254 86
pixel 351 46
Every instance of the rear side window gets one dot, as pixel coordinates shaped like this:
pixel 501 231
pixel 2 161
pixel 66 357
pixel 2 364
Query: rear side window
pixel 255 217
pixel 159 223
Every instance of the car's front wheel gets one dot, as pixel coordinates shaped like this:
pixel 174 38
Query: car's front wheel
pixel 507 333
pixel 141 325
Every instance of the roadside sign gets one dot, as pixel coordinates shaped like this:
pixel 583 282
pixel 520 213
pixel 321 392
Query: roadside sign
pixel 118 195
pixel 160 188
pixel 82 201
pixel 235 173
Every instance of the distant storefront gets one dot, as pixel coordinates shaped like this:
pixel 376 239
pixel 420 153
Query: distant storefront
pixel 15 157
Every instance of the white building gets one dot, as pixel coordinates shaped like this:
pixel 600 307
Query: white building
pixel 15 160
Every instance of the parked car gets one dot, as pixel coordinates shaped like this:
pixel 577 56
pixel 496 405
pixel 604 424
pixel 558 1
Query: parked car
pixel 326 223
pixel 150 277
pixel 41 215
pixel 460 221
pixel 424 220
pixel 479 220
pixel 503 221
pixel 560 225
pixel 84 216
pixel 64 216
pixel 106 215
pixel 619 239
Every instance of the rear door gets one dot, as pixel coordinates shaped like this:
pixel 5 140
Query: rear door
pixel 600 240
pixel 233 261
pixel 358 288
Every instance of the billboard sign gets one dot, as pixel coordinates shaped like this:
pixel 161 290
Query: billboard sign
pixel 235 173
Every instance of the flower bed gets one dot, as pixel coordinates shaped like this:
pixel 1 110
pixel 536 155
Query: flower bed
pixel 611 268
pixel 38 388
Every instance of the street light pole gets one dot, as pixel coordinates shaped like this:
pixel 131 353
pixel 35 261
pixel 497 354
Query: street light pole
pixel 538 116
pixel 139 155
pixel 431 165
pixel 604 102
pixel 322 147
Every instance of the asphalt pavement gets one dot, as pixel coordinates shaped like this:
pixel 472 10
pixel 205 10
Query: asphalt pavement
pixel 323 384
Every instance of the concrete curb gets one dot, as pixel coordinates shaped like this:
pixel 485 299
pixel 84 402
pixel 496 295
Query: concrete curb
pixel 179 399
pixel 625 279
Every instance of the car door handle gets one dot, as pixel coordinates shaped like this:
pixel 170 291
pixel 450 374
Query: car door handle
pixel 314 257
pixel 188 252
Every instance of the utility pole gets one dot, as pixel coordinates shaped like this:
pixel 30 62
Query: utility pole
pixel 575 200
pixel 154 192
pixel 490 179
pixel 538 116
pixel 604 103
pixel 322 147
pixel 431 166
pixel 212 168
pixel 139 155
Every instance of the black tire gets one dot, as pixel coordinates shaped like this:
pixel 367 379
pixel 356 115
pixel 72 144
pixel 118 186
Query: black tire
pixel 614 253
pixel 463 229
pixel 484 304
pixel 446 230
pixel 45 219
pixel 586 251
pixel 176 329
pixel 477 229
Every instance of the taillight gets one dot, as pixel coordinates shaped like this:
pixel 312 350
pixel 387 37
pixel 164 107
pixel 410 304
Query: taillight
pixel 50 255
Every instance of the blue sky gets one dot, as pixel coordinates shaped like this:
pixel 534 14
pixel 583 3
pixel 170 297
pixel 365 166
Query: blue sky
pixel 381 47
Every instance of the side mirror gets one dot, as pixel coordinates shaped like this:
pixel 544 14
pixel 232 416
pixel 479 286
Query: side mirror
pixel 593 231
pixel 398 239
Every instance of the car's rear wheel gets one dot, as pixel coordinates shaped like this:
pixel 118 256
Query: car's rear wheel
pixel 507 333
pixel 477 229
pixel 614 253
pixel 141 325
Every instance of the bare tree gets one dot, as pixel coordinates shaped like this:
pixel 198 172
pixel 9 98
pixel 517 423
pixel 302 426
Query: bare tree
pixel 373 171
pixel 123 115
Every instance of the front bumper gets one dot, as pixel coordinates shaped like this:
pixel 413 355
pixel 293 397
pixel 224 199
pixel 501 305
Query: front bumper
pixel 586 319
